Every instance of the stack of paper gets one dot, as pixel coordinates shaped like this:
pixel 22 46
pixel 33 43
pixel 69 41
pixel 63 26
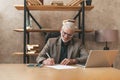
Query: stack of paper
pixel 62 67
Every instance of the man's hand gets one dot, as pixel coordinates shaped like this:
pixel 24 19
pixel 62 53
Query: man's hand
pixel 49 61
pixel 68 61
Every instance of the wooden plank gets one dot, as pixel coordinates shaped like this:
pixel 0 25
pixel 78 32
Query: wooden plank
pixel 54 8
pixel 48 30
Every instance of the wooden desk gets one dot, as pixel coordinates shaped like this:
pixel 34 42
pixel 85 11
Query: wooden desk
pixel 22 72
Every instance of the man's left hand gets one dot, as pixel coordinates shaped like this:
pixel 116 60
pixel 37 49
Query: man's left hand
pixel 68 61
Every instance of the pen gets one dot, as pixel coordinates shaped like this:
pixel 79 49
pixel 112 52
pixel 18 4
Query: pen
pixel 48 55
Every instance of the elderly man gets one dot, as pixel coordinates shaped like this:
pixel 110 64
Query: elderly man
pixel 65 49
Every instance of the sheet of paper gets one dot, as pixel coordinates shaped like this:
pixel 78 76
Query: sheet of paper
pixel 62 67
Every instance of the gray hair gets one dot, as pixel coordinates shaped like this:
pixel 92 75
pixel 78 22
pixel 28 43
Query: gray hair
pixel 69 24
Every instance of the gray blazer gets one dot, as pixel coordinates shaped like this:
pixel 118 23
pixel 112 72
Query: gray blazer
pixel 53 47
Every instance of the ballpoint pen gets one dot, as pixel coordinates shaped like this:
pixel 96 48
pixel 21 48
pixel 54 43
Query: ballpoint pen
pixel 48 55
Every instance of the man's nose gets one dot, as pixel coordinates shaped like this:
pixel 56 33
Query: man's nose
pixel 66 36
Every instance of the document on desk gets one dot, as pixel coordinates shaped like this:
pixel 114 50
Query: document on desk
pixel 62 67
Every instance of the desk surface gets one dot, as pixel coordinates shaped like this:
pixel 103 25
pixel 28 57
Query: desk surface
pixel 22 72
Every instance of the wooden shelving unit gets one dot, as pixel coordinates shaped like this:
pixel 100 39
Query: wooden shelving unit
pixel 53 8
pixel 27 9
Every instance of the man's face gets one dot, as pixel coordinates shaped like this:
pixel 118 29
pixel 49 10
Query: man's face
pixel 66 35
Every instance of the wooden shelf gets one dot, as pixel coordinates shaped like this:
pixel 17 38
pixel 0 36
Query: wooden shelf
pixel 21 53
pixel 48 30
pixel 53 8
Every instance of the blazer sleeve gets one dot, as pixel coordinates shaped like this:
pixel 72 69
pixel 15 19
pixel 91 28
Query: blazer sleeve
pixel 42 55
pixel 83 55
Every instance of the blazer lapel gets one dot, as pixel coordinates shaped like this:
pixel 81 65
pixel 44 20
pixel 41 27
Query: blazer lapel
pixel 70 49
pixel 58 49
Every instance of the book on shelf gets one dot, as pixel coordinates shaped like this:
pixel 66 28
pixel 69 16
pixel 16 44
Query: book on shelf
pixel 74 3
pixel 32 47
pixel 31 52
pixel 34 2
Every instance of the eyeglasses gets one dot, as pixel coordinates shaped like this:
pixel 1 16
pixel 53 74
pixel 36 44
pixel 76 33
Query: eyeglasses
pixel 69 35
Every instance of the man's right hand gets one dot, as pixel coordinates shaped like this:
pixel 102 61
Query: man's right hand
pixel 49 61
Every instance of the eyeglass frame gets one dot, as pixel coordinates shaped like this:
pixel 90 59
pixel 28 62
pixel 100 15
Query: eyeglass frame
pixel 69 35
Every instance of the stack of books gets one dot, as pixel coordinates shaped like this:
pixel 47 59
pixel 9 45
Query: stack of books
pixel 34 2
pixel 33 48
pixel 74 3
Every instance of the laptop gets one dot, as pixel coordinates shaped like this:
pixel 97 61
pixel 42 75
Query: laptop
pixel 101 58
